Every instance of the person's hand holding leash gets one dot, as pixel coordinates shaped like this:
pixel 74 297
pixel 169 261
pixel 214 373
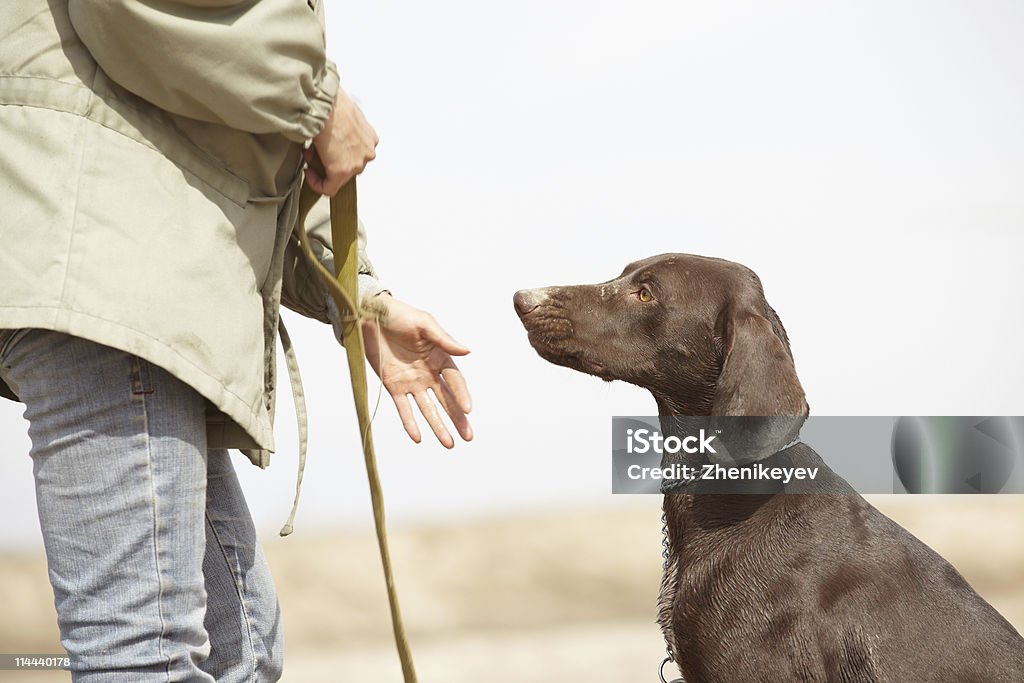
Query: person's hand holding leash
pixel 345 145
pixel 411 353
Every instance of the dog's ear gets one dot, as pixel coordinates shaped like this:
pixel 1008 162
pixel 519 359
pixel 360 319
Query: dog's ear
pixel 758 379
pixel 758 376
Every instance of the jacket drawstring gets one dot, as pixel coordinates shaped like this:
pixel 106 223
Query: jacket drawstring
pixel 301 417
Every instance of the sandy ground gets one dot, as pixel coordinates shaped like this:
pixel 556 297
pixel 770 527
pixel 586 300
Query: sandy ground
pixel 562 596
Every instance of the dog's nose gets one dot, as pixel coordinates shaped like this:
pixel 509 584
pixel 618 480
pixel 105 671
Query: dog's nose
pixel 526 300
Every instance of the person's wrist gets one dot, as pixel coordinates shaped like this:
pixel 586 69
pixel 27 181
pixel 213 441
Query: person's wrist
pixel 377 307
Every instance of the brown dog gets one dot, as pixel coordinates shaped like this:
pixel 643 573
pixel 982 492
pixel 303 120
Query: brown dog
pixel 776 587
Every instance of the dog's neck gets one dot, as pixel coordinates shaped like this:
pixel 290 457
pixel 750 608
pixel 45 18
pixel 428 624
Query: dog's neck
pixel 690 406
pixel 670 407
pixel 741 440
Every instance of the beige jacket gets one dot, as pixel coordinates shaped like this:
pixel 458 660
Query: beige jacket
pixel 150 155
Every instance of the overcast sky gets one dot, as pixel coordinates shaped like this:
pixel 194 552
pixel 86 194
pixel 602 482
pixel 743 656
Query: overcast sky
pixel 865 158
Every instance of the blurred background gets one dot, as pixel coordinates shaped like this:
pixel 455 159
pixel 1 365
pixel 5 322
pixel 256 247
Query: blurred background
pixel 865 158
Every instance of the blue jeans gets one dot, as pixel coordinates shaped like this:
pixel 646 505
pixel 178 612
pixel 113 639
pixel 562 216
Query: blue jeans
pixel 152 554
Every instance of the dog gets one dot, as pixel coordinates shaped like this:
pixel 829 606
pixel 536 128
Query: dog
pixel 769 587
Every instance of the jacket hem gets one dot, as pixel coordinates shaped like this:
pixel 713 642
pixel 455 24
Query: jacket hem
pixel 248 422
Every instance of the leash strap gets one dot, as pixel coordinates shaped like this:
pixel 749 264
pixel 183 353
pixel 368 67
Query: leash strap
pixel 344 290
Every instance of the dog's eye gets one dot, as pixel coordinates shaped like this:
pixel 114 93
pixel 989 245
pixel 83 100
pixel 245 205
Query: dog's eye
pixel 645 295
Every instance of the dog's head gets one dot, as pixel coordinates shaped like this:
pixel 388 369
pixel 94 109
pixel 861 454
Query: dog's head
pixel 696 331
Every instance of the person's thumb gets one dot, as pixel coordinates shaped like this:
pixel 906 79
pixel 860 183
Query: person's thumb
pixel 445 341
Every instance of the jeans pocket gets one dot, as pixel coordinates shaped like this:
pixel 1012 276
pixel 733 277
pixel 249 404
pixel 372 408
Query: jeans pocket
pixel 8 338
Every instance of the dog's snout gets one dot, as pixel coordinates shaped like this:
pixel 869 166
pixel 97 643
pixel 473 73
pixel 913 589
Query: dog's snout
pixel 526 300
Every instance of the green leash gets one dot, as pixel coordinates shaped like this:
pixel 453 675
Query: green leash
pixel 344 290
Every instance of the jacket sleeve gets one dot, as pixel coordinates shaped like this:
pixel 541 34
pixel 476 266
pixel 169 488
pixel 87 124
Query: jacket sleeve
pixel 302 290
pixel 254 65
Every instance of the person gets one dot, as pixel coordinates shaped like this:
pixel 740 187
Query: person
pixel 151 155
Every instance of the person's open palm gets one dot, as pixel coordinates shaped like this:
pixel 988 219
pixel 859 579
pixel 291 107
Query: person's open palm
pixel 412 355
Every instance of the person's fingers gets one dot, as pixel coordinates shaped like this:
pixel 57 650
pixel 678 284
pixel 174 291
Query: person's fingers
pixel 456 383
pixel 367 132
pixel 329 182
pixel 451 406
pixel 406 415
pixel 333 182
pixel 429 411
pixel 315 181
